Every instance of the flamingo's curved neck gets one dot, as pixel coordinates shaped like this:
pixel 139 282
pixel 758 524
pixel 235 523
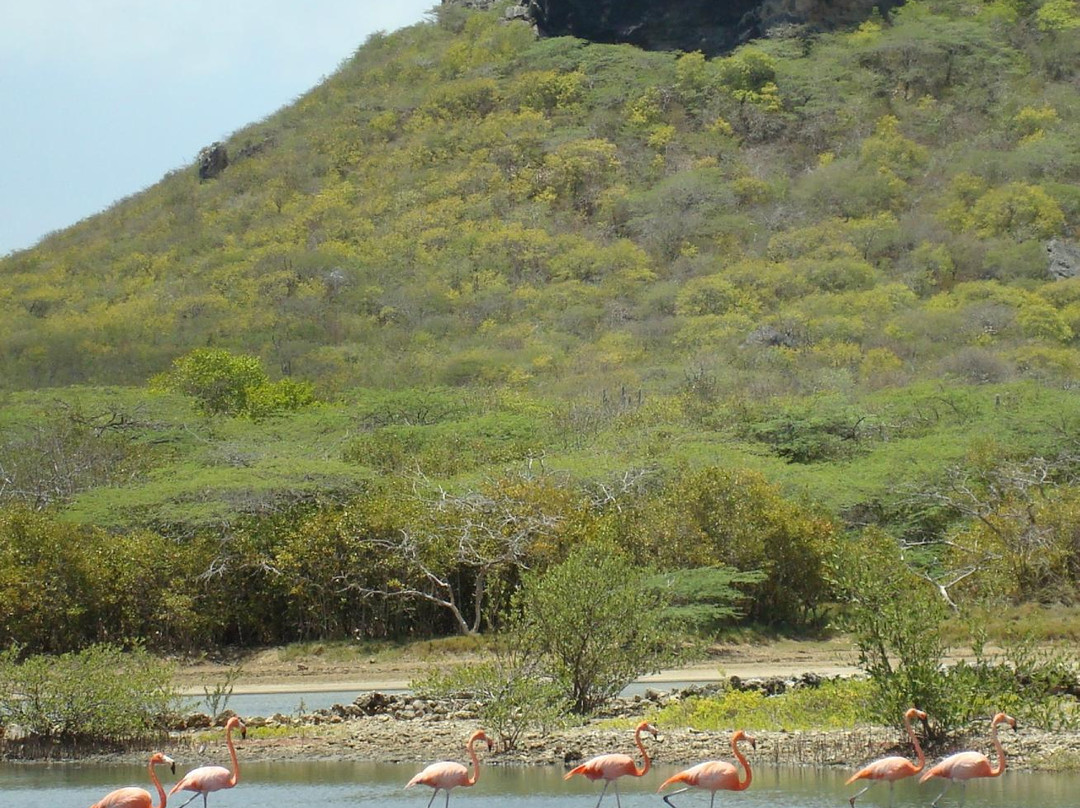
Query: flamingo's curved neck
pixel 743 784
pixel 471 781
pixel 646 764
pixel 920 758
pixel 157 785
pixel 1000 750
pixel 234 778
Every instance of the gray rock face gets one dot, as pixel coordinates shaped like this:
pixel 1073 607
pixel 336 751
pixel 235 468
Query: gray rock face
pixel 1064 259
pixel 212 160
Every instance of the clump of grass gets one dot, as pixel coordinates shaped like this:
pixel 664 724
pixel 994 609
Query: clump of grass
pixel 836 704
pixel 281 731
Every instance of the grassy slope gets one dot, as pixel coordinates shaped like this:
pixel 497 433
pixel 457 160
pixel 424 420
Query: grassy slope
pixel 560 222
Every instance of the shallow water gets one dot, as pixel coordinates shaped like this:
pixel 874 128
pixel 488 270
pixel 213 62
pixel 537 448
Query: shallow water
pixel 74 785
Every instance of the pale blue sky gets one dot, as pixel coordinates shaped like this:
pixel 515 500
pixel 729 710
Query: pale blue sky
pixel 100 98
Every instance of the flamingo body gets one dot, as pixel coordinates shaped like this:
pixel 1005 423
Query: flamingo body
pixel 964 766
pixel 610 768
pixel 892 768
pixel 605 767
pixel 714 775
pixel 133 797
pixel 207 779
pixel 888 768
pixel 130 797
pixel 447 775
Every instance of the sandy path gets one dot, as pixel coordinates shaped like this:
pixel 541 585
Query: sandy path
pixel 264 673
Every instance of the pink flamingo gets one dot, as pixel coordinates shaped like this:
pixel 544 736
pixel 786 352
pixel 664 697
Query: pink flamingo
pixel 964 766
pixel 205 779
pixel 447 774
pixel 895 767
pixel 611 767
pixel 714 775
pixel 138 797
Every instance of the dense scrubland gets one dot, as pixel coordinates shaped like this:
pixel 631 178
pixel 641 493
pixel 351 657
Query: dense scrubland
pixel 775 331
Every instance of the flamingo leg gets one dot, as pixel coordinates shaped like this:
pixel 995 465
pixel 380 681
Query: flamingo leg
pixel 859 793
pixel 189 799
pixel 447 798
pixel 892 784
pixel 603 791
pixel 963 793
pixel 667 797
pixel 433 793
pixel 617 801
pixel 205 794
pixel 942 794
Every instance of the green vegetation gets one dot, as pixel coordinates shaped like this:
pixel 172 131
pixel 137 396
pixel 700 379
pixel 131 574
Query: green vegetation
pixel 233 385
pixel 101 695
pixel 598 624
pixel 463 204
pixel 838 704
pixel 480 299
pixel 513 688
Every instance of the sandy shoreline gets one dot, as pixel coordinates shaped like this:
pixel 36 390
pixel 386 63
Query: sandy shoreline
pixel 696 674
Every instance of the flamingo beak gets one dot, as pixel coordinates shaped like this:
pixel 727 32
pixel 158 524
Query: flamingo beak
pixel 753 744
pixel 172 766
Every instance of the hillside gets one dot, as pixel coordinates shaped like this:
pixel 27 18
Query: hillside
pixel 819 262
pixel 479 206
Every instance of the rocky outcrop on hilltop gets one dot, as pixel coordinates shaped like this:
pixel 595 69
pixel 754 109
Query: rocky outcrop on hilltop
pixel 709 26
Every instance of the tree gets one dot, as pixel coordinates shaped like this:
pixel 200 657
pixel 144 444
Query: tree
pixel 68 451
pixel 598 621
pixel 100 694
pixel 736 518
pixel 1018 541
pixel 218 380
pixel 458 543
pixel 575 173
pixel 223 383
pixel 704 598
pixel 896 621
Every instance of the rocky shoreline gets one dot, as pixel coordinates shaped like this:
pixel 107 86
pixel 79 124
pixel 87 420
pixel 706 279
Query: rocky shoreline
pixel 395 728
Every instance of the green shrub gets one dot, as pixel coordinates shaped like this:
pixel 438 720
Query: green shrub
pixel 223 383
pixel 513 690
pixel 597 623
pixel 101 695
pixel 897 620
pixel 811 430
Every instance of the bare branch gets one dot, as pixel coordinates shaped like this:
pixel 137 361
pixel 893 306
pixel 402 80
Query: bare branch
pixel 485 534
